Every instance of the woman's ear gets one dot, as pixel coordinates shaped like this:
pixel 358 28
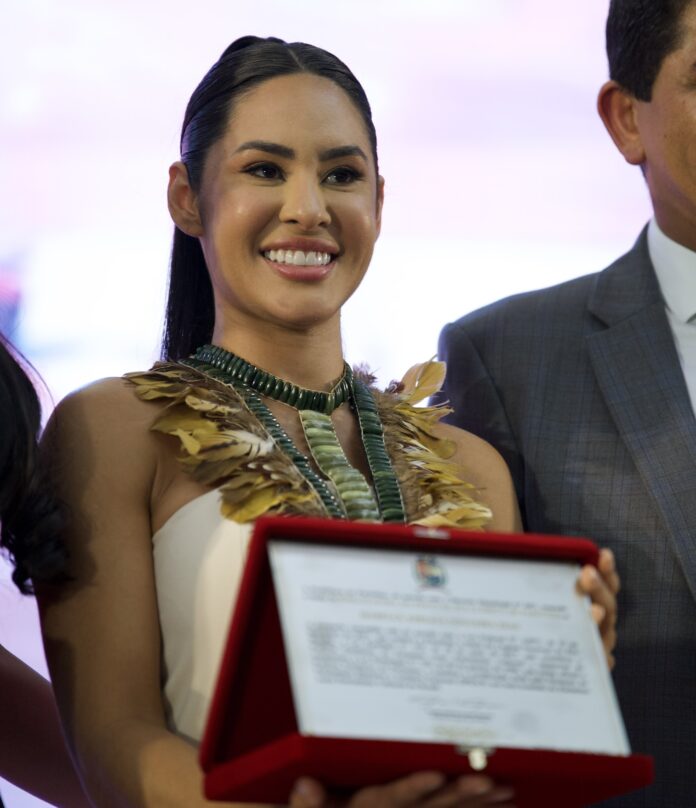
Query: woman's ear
pixel 380 202
pixel 182 201
pixel 618 110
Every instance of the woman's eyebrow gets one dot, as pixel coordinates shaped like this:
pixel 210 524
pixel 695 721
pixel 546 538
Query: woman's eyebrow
pixel 285 151
pixel 343 151
pixel 267 146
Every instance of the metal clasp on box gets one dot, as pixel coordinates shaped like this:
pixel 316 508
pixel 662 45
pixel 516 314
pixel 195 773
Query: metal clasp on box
pixel 478 756
pixel 423 532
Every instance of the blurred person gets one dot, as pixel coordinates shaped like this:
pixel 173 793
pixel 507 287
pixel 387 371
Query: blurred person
pixel 588 389
pixel 277 202
pixel 33 753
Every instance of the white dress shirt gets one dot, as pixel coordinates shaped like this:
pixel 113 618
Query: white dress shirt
pixel 675 267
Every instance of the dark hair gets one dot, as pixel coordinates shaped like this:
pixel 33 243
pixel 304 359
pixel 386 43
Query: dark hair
pixel 29 517
pixel 245 63
pixel 640 34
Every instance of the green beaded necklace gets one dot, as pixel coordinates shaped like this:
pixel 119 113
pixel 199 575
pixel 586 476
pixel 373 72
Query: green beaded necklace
pixel 239 370
pixel 346 493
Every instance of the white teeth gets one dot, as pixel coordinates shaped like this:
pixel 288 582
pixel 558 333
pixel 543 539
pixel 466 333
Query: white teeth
pixel 299 258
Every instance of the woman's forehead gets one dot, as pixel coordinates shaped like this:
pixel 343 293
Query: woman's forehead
pixel 299 106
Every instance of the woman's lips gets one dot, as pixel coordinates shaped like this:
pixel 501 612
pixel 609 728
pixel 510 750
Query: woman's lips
pixel 300 265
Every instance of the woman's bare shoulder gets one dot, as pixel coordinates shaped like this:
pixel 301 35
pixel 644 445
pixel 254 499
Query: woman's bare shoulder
pixel 102 423
pixel 481 465
pixel 108 408
pixel 111 398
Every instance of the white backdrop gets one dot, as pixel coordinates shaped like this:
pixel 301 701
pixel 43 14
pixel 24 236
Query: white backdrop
pixel 499 175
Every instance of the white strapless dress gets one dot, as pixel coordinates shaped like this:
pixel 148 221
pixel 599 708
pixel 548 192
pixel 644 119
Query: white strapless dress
pixel 199 557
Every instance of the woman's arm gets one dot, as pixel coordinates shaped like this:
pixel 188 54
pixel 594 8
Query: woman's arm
pixel 34 755
pixel 101 630
pixel 483 467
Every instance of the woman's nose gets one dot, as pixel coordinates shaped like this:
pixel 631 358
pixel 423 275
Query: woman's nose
pixel 304 204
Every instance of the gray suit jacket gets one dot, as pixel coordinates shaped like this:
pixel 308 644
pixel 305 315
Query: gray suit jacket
pixel 579 387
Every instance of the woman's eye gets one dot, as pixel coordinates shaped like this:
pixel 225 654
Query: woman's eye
pixel 342 176
pixel 265 171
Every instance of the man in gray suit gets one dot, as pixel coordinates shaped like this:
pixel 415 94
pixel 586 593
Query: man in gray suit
pixel 588 391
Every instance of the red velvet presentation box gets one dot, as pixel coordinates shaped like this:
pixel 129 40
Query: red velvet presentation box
pixel 252 750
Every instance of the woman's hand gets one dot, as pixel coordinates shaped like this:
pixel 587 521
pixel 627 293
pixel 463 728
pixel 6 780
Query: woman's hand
pixel 422 790
pixel 602 585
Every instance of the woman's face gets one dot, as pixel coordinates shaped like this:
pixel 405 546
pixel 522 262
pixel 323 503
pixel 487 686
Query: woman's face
pixel 290 205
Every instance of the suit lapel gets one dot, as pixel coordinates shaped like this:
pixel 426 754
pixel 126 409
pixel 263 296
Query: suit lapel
pixel 638 371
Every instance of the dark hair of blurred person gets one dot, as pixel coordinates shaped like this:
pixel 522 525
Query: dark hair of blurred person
pixel 34 756
pixel 29 517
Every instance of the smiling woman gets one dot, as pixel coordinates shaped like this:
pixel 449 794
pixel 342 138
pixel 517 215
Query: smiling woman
pixel 277 203
pixel 306 187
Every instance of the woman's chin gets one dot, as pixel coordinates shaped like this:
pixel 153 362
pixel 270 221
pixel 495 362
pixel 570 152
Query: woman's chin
pixel 304 321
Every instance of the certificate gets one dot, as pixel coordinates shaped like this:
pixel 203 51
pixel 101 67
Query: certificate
pixel 360 653
pixel 390 644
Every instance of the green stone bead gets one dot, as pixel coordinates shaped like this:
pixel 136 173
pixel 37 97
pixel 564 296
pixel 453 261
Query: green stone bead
pixel 391 513
pixel 319 447
pixel 370 430
pixel 320 432
pixel 321 441
pixel 366 505
pixel 342 475
pixel 359 494
pixel 333 450
pixel 316 421
pixel 365 516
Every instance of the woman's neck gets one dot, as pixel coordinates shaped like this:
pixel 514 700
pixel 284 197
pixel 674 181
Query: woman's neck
pixel 311 359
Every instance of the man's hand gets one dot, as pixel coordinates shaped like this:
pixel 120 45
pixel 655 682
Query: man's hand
pixel 602 585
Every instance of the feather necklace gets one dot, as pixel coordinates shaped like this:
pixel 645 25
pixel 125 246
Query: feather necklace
pixel 343 489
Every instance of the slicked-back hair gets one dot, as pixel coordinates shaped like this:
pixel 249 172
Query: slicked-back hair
pixel 30 519
pixel 639 35
pixel 245 64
